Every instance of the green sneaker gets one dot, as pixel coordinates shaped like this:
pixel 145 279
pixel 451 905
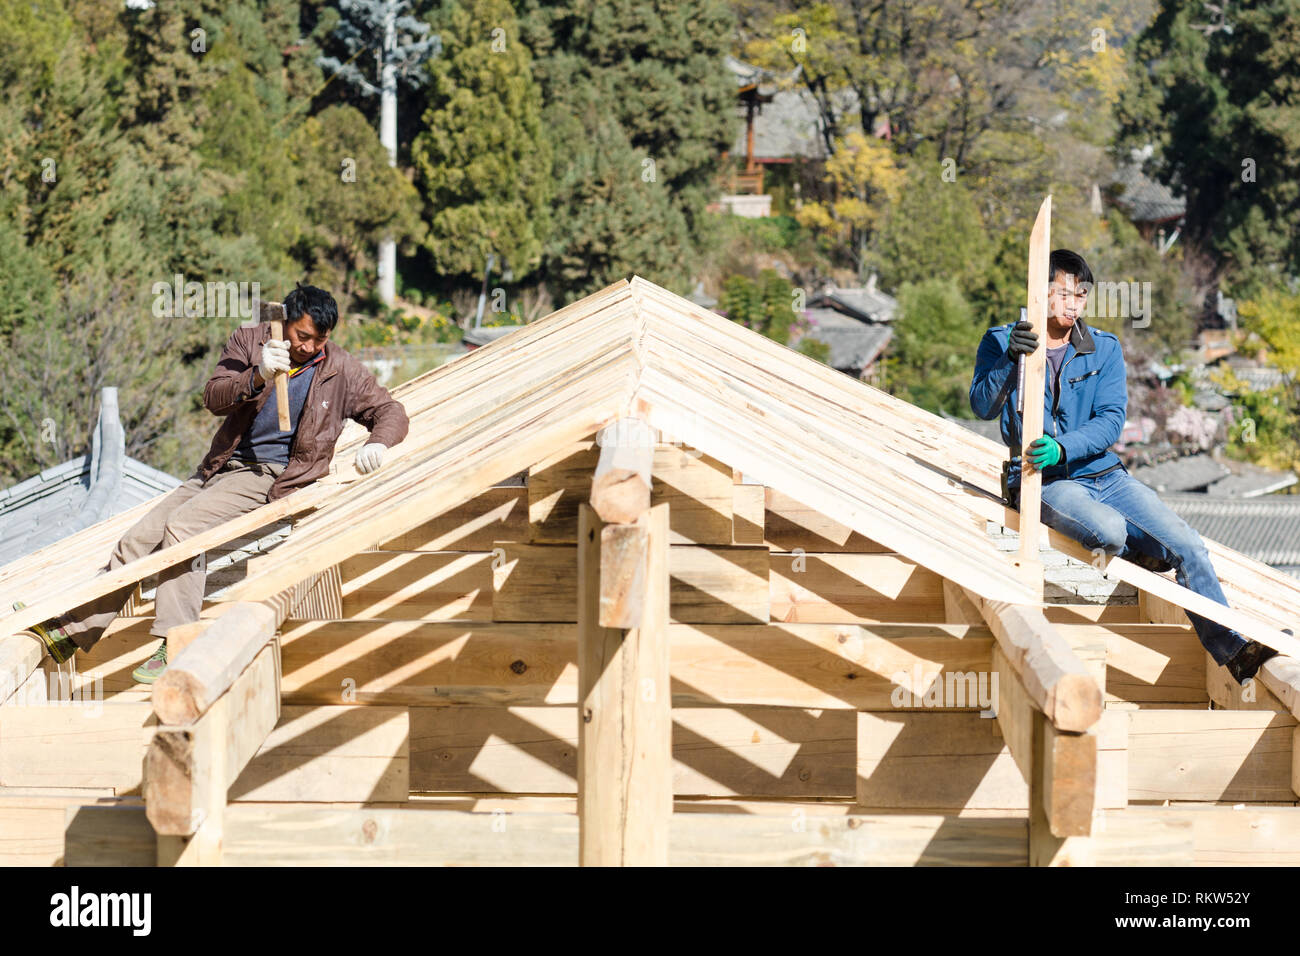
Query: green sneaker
pixel 54 636
pixel 153 668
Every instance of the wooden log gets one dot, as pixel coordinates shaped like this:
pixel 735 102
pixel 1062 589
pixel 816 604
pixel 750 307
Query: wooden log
pixel 709 585
pixel 331 754
pixel 620 487
pixel 1058 683
pixel 625 734
pixel 854 588
pixel 1210 755
pixel 208 667
pixel 189 769
pixel 83 743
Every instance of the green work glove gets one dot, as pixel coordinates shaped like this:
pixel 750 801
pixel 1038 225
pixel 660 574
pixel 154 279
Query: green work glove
pixel 1045 452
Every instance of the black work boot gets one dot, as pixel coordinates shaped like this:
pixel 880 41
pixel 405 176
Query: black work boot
pixel 1246 663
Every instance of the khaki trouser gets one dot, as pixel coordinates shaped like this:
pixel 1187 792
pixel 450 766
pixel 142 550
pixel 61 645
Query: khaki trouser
pixel 196 506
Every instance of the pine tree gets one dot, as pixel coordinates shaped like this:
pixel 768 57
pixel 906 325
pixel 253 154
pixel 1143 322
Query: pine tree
pixel 484 158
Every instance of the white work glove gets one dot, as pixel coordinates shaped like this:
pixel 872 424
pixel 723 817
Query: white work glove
pixel 369 458
pixel 275 358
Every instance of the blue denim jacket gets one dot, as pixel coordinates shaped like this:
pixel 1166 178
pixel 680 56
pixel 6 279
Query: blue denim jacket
pixel 1087 416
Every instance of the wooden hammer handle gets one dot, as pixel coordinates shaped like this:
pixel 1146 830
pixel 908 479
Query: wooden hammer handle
pixel 281 382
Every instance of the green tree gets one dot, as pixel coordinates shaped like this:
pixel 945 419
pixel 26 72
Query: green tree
pixel 1216 98
pixel 484 158
pixel 638 98
pixel 934 230
pixel 933 349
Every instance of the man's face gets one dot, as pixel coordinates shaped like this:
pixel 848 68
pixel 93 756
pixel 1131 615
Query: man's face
pixel 1066 299
pixel 304 340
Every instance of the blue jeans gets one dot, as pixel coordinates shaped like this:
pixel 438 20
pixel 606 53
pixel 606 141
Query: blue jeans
pixel 1118 514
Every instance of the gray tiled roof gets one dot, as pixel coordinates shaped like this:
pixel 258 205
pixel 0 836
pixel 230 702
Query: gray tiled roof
pixel 1252 483
pixel 1181 474
pixel 1266 529
pixel 865 303
pixel 1144 199
pixel 853 347
pixel 73 495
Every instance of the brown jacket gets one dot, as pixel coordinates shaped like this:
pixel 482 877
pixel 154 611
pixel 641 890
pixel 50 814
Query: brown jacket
pixel 341 387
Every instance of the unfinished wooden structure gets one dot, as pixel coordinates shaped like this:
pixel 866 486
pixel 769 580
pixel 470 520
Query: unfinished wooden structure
pixel 742 609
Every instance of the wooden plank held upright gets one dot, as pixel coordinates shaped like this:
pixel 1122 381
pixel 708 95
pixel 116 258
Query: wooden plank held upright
pixel 1031 481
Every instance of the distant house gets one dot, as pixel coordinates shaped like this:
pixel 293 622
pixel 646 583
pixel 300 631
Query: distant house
pixel 1150 205
pixel 856 324
pixel 782 126
pixel 80 492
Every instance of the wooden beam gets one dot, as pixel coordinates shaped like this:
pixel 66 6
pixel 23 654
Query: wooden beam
pixel 259 835
pixel 1058 683
pixel 111 833
pixel 747 513
pixel 625 734
pixel 854 588
pixel 189 769
pixel 1236 755
pixel 620 487
pixel 623 554
pixel 1060 767
pixel 207 668
pixel 849 667
pixel 86 743
pixel 1030 395
pixel 331 753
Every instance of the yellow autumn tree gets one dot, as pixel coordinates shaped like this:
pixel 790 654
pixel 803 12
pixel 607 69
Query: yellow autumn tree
pixel 863 178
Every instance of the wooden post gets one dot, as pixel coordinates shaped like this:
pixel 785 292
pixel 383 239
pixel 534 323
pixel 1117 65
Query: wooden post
pixel 620 489
pixel 1031 395
pixel 625 718
pixel 281 386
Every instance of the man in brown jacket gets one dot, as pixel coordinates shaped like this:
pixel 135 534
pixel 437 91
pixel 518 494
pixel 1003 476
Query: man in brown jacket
pixel 250 462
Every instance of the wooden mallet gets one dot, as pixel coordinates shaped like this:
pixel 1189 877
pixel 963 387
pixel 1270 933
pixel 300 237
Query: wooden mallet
pixel 274 311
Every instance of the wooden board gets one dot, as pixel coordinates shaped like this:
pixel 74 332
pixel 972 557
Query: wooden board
pixel 1210 755
pixel 1232 836
pixel 498 514
pixel 856 667
pixel 91 744
pixel 110 834
pixel 789 525
pixel 429 586
pixel 1147 663
pixel 755 751
pixel 936 761
pixel 328 753
pixel 709 585
pixel 854 588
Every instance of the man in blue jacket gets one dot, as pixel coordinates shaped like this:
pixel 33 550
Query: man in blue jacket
pixel 1087 492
